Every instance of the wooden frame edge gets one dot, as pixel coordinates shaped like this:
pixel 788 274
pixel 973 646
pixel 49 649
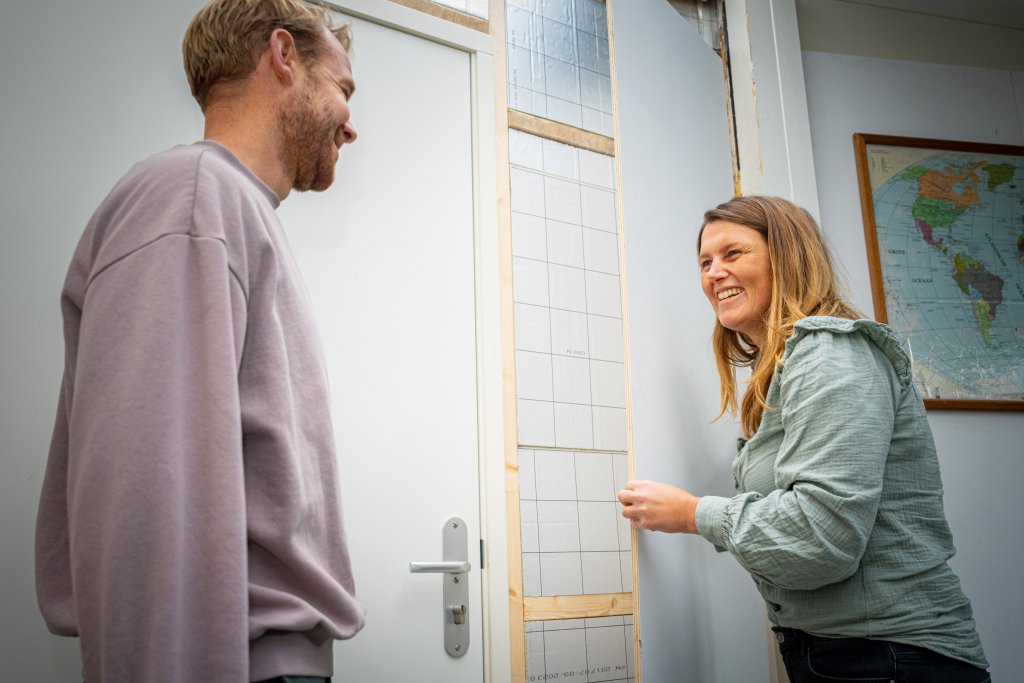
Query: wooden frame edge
pixel 932 143
pixel 513 540
pixel 447 13
pixel 560 132
pixel 626 349
pixel 551 607
pixel 867 211
pixel 971 404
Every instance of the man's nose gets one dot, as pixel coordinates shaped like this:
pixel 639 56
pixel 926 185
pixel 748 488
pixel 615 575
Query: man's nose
pixel 350 133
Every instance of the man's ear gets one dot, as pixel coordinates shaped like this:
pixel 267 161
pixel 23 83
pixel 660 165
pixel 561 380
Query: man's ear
pixel 284 57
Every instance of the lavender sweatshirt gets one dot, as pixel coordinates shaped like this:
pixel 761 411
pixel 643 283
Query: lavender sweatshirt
pixel 189 527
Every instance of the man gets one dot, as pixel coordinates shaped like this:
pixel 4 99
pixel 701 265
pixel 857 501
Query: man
pixel 189 527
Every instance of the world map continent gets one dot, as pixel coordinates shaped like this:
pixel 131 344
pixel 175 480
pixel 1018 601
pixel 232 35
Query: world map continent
pixel 967 214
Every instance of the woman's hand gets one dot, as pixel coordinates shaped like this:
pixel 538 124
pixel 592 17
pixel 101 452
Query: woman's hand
pixel 659 507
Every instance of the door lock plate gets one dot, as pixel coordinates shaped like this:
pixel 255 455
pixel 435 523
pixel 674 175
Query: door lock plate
pixel 454 569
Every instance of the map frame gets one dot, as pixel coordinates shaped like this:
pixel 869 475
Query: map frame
pixel 861 142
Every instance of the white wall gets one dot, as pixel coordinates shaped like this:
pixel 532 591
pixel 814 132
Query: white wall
pixel 73 122
pixel 700 617
pixel 980 452
pixel 986 34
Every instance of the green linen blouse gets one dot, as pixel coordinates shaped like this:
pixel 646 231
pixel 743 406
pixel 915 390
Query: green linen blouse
pixel 839 517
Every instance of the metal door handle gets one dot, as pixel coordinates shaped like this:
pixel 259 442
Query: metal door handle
pixel 439 567
pixel 455 585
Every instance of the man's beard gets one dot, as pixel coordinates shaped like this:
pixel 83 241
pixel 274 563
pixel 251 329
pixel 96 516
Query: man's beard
pixel 307 139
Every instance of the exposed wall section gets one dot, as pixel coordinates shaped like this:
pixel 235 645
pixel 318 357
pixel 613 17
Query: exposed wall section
pixel 558 65
pixel 570 555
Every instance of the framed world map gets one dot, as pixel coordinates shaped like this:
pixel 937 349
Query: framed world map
pixel 944 225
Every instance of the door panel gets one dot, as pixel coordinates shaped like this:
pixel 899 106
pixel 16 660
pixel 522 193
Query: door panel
pixel 388 256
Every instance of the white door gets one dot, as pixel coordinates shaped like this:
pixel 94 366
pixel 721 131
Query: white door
pixel 389 260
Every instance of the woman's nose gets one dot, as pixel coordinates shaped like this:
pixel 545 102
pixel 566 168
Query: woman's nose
pixel 715 270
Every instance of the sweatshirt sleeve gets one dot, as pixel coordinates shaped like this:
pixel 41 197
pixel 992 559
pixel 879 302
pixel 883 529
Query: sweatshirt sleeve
pixel 838 397
pixel 156 498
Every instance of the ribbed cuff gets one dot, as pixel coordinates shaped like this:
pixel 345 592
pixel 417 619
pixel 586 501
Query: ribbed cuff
pixel 290 654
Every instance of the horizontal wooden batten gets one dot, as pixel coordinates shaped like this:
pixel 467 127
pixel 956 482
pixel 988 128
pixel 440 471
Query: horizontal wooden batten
pixel 528 447
pixel 577 606
pixel 447 13
pixel 560 132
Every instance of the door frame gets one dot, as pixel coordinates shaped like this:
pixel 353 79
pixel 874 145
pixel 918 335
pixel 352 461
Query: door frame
pixel 486 254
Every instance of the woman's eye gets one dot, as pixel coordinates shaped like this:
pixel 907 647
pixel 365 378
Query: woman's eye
pixel 705 264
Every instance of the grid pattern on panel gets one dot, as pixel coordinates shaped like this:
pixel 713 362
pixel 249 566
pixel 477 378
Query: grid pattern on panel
pixel 594 649
pixel 478 8
pixel 558 61
pixel 575 540
pixel 570 369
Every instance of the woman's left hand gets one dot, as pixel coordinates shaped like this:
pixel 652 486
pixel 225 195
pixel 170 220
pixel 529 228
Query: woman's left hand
pixel 659 507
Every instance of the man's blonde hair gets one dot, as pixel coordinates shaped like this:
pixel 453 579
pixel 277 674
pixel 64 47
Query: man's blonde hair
pixel 226 38
pixel 804 283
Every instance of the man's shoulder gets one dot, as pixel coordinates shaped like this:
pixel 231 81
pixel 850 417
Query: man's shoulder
pixel 203 179
pixel 180 159
pixel 166 179
pixel 185 164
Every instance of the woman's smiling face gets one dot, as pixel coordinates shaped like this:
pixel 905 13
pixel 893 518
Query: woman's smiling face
pixel 736 277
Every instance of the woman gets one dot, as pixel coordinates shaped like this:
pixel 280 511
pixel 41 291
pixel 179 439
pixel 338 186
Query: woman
pixel 839 518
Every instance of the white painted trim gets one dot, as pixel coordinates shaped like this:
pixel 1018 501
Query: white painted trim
pixel 770 101
pixel 793 99
pixel 744 97
pixel 416 23
pixel 490 397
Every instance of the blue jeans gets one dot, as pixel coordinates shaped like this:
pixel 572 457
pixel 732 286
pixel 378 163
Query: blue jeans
pixel 811 659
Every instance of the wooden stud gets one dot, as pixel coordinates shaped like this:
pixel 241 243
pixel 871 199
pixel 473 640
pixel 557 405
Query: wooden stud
pixel 577 606
pixel 517 628
pixel 560 132
pixel 449 14
pixel 624 296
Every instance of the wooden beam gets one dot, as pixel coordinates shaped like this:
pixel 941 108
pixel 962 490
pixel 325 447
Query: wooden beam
pixel 560 132
pixel 634 597
pixel 447 13
pixel 577 606
pixel 513 539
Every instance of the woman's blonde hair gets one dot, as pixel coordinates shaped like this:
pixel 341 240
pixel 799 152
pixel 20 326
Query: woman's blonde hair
pixel 804 283
pixel 226 38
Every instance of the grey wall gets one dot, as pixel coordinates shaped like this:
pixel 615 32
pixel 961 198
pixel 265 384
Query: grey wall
pixel 88 89
pixel 981 454
pixel 700 616
pixel 985 33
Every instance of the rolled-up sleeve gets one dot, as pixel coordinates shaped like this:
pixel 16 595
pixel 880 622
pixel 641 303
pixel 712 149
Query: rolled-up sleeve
pixel 837 402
